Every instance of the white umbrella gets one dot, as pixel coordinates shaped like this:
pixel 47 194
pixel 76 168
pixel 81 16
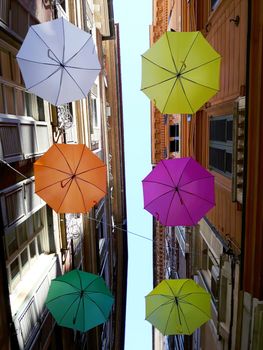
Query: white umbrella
pixel 58 61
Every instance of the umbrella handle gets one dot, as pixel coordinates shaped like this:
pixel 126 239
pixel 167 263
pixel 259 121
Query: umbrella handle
pixel 52 58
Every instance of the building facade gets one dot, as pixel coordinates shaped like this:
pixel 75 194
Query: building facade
pixel 36 243
pixel 222 252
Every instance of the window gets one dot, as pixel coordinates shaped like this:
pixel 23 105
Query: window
pixel 23 245
pixel 174 138
pixel 220 147
pixel 214 3
pixel 210 271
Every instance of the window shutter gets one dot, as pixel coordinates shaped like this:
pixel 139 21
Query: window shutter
pixel 10 146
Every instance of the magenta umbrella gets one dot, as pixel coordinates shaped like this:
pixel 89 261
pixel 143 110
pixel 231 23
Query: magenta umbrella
pixel 178 192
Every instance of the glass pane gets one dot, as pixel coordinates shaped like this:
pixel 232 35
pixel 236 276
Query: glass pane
pixel 11 243
pixel 217 158
pixel 172 130
pixel 29 106
pixel 37 221
pixel 218 130
pixel 32 249
pixel 229 163
pixel 14 268
pixel 39 245
pixel 2 106
pixel 10 100
pixel 22 233
pixel 20 106
pixel 24 258
pixel 40 107
pixel 229 130
pixel 172 146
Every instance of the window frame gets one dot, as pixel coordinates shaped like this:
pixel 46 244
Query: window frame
pixel 34 235
pixel 226 146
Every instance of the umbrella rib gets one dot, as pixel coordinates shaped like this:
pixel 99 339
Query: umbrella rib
pixel 170 288
pixel 45 43
pixel 64 196
pixel 170 94
pixel 94 302
pixel 194 82
pixel 40 82
pixel 49 167
pixel 72 172
pixel 81 68
pixel 178 293
pixel 95 279
pixel 63 31
pixel 182 172
pixel 157 182
pixel 157 198
pixel 81 194
pixel 203 64
pixel 159 83
pixel 186 95
pixel 68 309
pixel 179 308
pixel 164 304
pixel 80 158
pixel 75 82
pixel 156 64
pixel 80 281
pixel 168 318
pixel 76 53
pixel 186 302
pixel 86 171
pixel 79 178
pixel 183 63
pixel 189 215
pixel 168 211
pixel 168 172
pixel 200 178
pixel 61 296
pixel 171 53
pixel 193 293
pixel 44 63
pixel 60 84
pixel 54 183
pixel 196 195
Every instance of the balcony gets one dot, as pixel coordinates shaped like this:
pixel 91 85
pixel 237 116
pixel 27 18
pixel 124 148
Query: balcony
pixel 22 138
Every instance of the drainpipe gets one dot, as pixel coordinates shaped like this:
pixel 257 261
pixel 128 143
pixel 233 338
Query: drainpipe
pixel 249 22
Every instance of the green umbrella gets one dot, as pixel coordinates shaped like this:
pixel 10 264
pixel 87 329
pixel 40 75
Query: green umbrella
pixel 79 300
pixel 178 306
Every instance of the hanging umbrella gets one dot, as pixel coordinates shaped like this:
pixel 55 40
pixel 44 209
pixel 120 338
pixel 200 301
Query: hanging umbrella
pixel 79 300
pixel 58 61
pixel 70 178
pixel 180 72
pixel 178 306
pixel 178 192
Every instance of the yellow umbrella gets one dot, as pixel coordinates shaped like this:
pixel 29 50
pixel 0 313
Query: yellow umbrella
pixel 178 306
pixel 180 72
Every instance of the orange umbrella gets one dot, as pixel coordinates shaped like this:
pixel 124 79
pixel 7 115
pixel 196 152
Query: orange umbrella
pixel 70 178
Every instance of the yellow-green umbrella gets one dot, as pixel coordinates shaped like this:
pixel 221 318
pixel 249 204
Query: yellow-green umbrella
pixel 180 72
pixel 178 306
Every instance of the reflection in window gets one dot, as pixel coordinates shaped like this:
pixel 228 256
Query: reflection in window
pixel 221 143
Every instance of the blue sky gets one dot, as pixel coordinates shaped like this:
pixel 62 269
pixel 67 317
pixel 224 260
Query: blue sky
pixel 134 18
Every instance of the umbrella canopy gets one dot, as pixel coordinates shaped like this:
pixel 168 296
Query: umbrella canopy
pixel 178 306
pixel 58 61
pixel 178 192
pixel 70 178
pixel 79 300
pixel 180 72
